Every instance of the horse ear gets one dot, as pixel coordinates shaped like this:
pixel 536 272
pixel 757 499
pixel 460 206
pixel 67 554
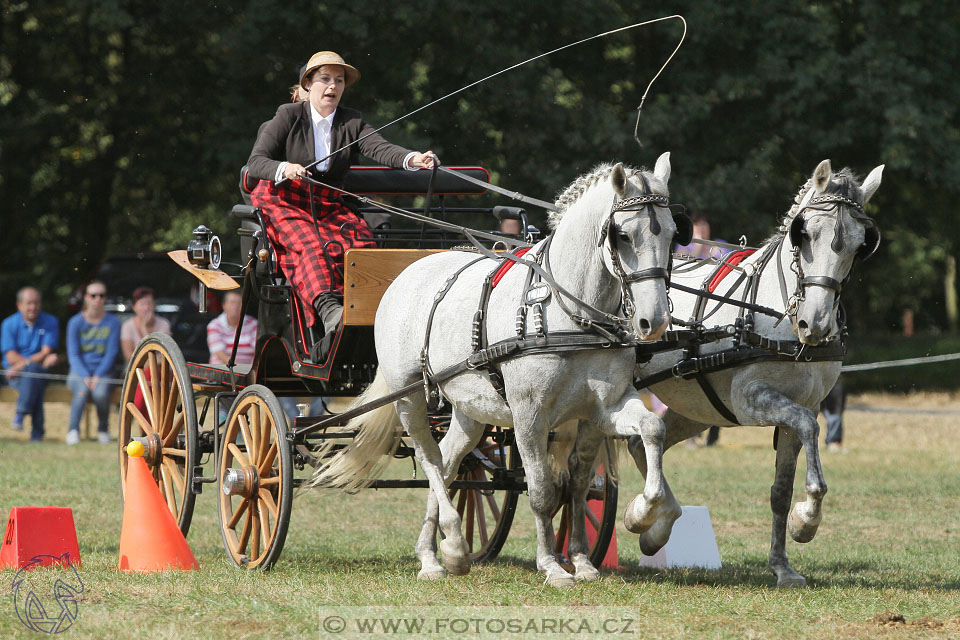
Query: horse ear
pixel 662 171
pixel 872 183
pixel 821 176
pixel 619 179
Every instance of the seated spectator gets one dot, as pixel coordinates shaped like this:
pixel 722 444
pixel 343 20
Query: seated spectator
pixel 220 335
pixel 511 226
pixel 143 322
pixel 28 340
pixel 701 231
pixel 93 342
pixel 222 330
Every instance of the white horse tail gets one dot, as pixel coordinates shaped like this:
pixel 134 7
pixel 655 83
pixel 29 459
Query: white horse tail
pixel 377 435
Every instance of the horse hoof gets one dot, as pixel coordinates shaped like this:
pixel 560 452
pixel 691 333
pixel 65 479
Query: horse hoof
pixel 560 580
pixel 456 558
pixel 586 574
pixel 434 573
pixel 795 581
pixel 787 578
pixel 638 523
pixel 648 546
pixel 801 531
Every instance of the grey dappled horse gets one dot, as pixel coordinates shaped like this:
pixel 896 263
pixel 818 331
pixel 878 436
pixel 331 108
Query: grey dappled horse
pixel 828 226
pixel 594 246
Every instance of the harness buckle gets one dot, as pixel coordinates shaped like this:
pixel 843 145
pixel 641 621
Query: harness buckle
pixel 686 368
pixel 792 353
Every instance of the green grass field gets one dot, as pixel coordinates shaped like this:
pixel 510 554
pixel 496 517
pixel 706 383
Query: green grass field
pixel 889 546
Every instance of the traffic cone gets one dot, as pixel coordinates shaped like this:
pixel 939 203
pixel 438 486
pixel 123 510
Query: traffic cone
pixel 46 533
pixel 150 539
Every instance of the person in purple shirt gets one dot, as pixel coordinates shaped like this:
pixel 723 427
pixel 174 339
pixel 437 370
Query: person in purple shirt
pixel 93 342
pixel 28 340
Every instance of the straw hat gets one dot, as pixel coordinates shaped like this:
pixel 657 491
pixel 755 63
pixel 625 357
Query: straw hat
pixel 321 58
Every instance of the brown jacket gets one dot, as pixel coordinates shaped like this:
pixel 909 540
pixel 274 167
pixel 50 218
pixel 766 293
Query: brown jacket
pixel 289 137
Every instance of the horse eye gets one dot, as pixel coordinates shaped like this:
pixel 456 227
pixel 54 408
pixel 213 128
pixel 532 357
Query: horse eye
pixel 623 237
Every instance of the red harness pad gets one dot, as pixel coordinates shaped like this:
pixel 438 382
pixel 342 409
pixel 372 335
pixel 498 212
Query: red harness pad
pixel 502 271
pixel 729 263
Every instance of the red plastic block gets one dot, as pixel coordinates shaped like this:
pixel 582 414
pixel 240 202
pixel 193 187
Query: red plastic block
pixel 39 531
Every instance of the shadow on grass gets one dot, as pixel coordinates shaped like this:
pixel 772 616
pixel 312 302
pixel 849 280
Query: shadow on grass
pixel 752 573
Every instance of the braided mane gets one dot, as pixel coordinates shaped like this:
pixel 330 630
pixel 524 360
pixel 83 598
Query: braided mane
pixel 569 196
pixel 845 182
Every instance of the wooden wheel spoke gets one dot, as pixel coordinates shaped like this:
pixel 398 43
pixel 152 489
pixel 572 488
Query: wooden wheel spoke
pixel 168 493
pixel 155 386
pixel 254 447
pixel 247 529
pixel 247 438
pixel 174 431
pixel 481 515
pixel 170 410
pixel 267 498
pixel 235 518
pixel 145 425
pixel 268 459
pixel 147 394
pixel 264 525
pixel 268 482
pixel 471 510
pixel 175 474
pixel 235 450
pixel 561 532
pixel 164 396
pixel 266 430
pixel 494 508
pixel 255 530
pixel 462 502
pixel 592 517
pixel 171 451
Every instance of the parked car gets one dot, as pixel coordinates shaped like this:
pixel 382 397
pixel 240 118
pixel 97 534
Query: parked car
pixel 176 292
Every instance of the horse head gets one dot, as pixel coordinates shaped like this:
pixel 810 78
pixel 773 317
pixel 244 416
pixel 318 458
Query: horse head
pixel 639 234
pixel 625 213
pixel 828 232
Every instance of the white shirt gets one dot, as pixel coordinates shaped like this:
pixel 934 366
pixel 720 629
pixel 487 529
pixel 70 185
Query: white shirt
pixel 322 135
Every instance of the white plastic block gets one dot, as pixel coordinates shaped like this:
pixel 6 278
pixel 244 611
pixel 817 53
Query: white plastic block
pixel 692 543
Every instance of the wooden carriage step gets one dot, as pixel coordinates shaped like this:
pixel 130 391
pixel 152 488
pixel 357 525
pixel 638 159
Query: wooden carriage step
pixel 213 278
pixel 367 274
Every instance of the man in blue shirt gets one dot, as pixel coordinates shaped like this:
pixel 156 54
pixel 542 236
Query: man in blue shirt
pixel 93 342
pixel 28 340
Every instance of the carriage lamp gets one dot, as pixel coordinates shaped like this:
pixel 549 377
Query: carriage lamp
pixel 204 250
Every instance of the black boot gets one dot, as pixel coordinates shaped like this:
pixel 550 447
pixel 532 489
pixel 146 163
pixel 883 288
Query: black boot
pixel 330 312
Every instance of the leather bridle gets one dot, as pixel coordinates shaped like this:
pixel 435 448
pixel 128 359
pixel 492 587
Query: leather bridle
pixel 611 230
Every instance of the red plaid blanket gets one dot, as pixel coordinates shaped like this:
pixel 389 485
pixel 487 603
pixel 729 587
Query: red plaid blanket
pixel 299 248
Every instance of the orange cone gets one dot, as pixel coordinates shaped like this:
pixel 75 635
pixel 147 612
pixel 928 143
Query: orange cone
pixel 150 539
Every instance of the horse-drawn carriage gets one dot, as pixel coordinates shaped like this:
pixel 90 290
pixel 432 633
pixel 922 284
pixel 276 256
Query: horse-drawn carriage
pixel 599 284
pixel 260 458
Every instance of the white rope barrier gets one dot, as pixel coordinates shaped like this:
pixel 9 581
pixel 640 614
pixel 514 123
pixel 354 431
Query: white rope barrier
pixel 51 376
pixel 848 368
pixel 851 368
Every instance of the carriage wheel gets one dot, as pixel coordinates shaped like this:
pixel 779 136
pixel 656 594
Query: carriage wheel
pixel 255 479
pixel 602 494
pixel 486 513
pixel 157 404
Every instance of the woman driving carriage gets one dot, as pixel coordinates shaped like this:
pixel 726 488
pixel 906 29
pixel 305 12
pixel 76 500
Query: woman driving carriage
pixel 302 218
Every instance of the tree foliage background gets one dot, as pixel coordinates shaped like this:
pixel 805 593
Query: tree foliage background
pixel 125 122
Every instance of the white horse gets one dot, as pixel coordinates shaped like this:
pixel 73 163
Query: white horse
pixel 806 263
pixel 609 222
